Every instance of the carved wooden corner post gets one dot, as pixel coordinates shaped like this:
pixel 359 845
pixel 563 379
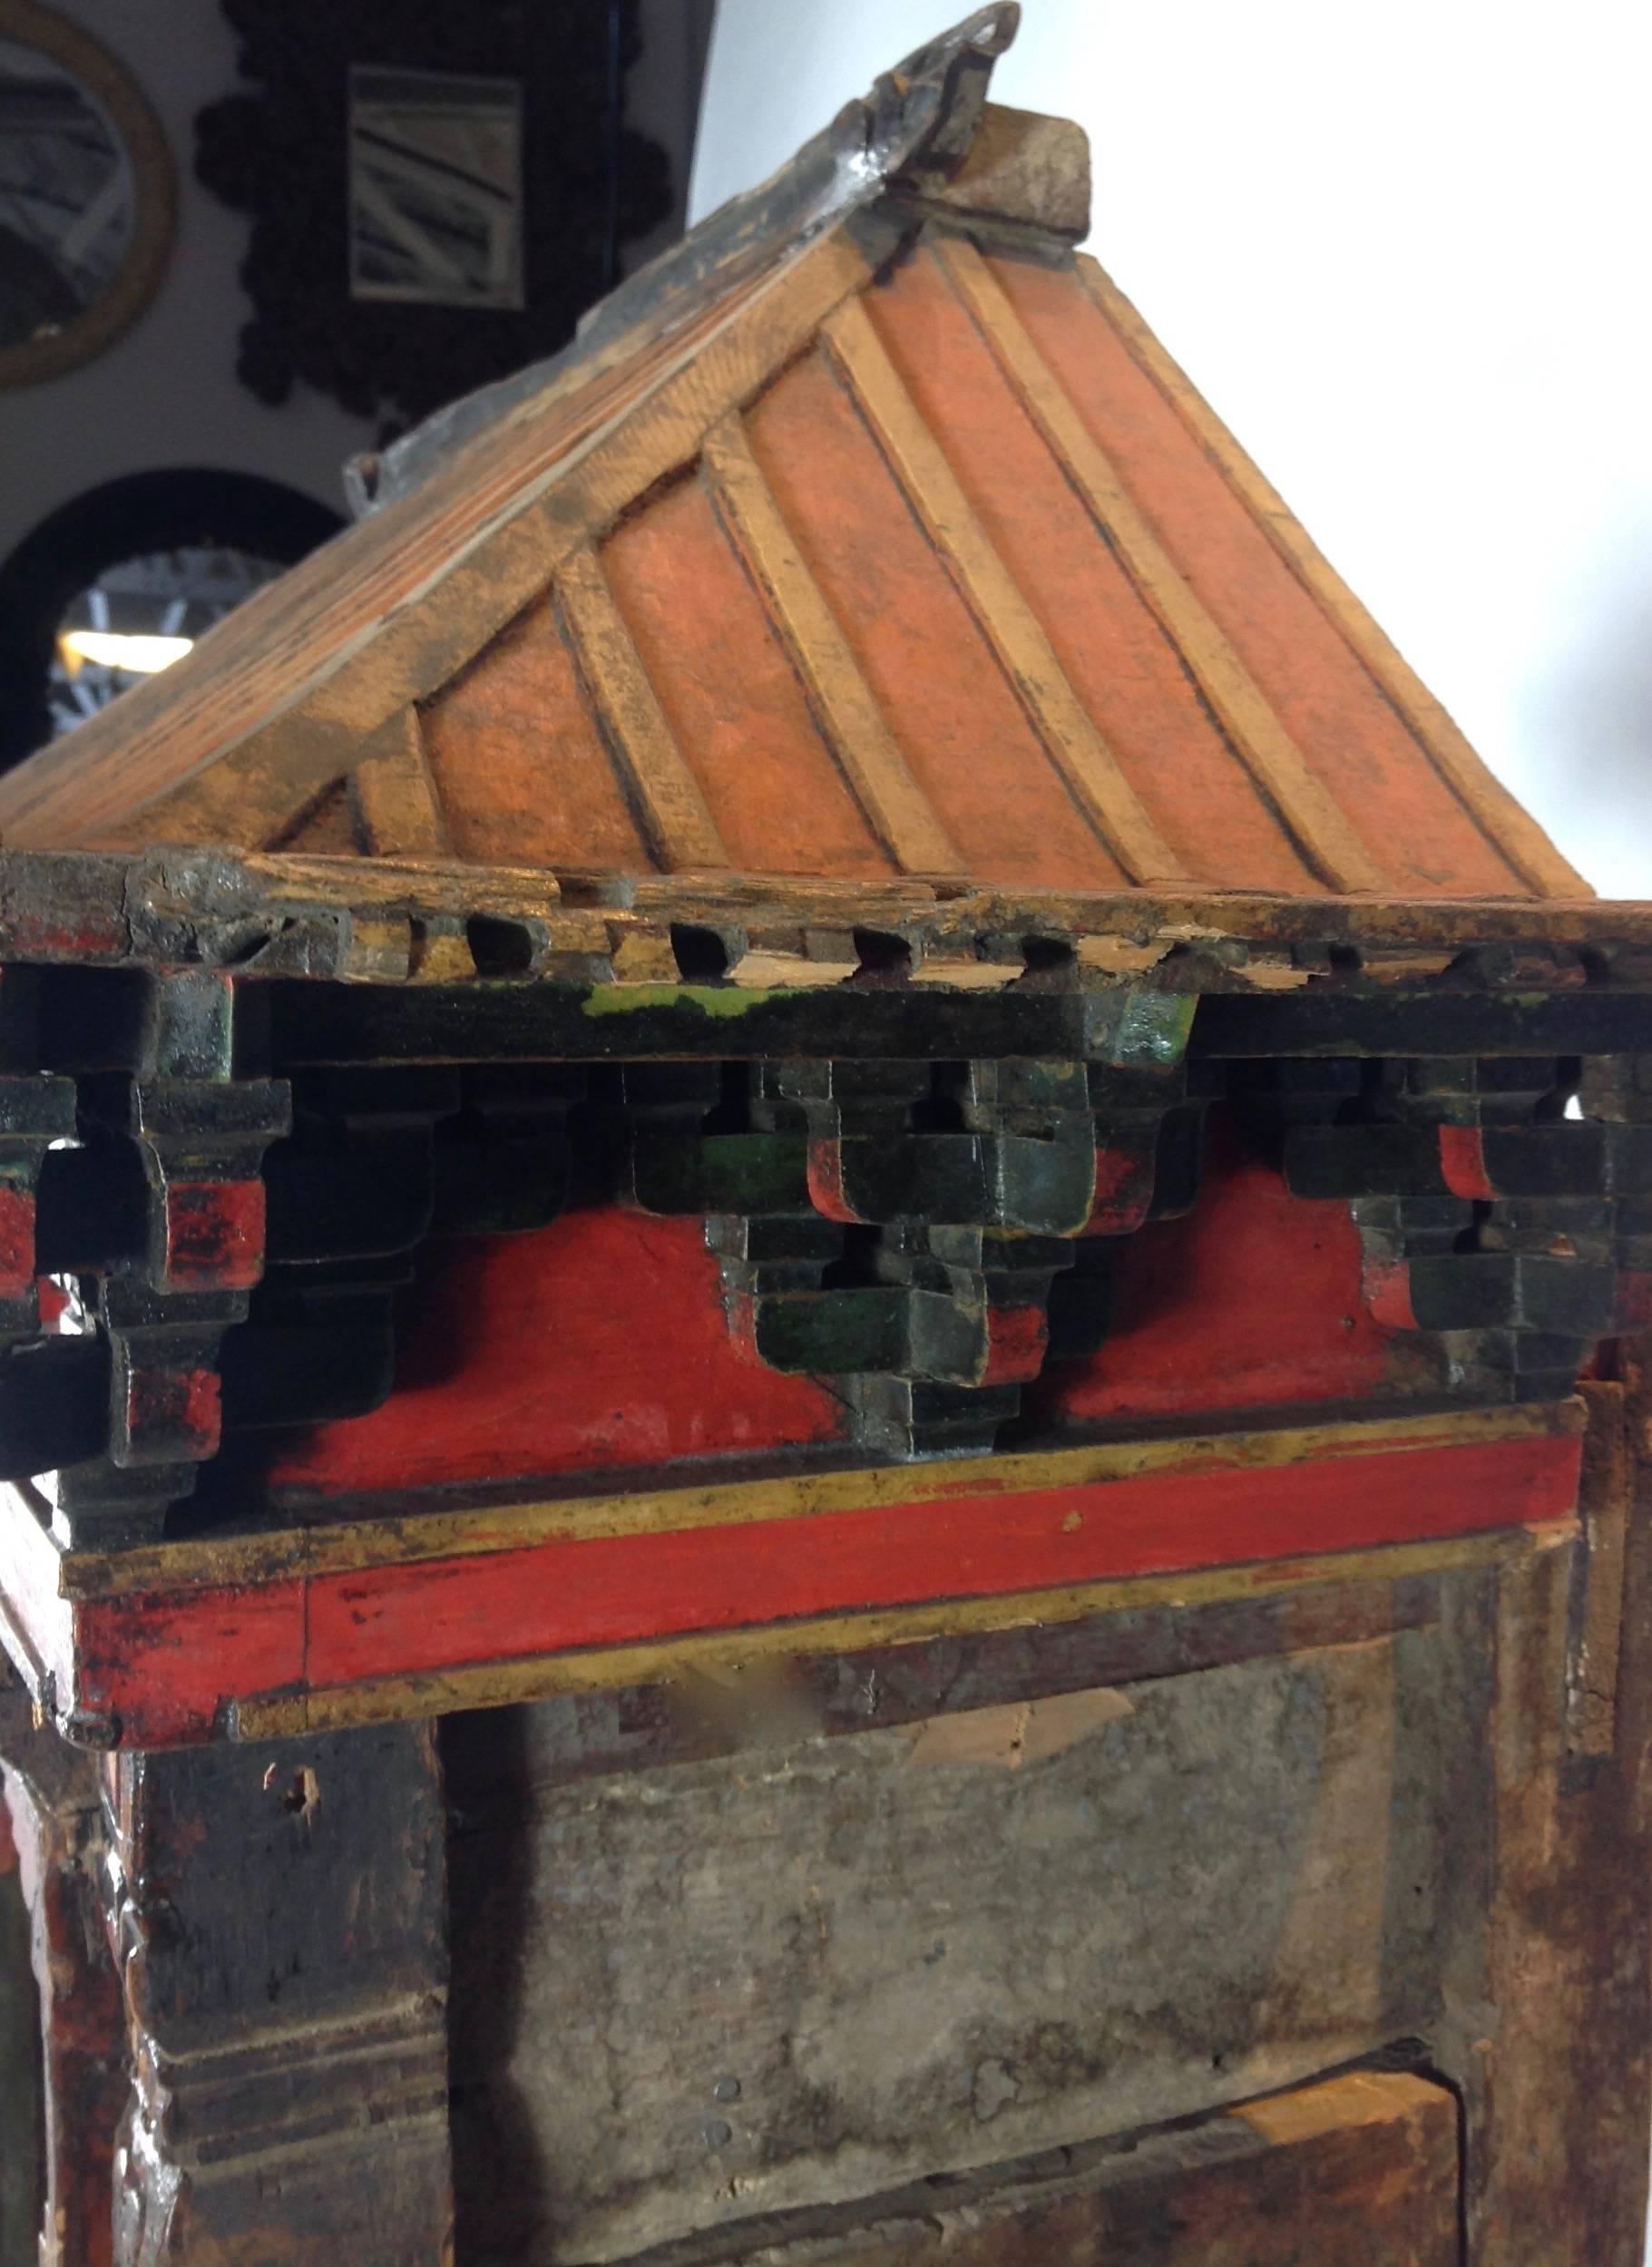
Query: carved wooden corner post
pixel 1552 2008
pixel 279 1910
pixel 52 1794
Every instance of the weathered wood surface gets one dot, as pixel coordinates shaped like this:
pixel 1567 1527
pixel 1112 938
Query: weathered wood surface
pixel 280 1910
pixel 912 1952
pixel 1044 621
pixel 1361 2170
pixel 286 912
pixel 152 1645
pixel 22 2179
pixel 1547 2018
pixel 51 1794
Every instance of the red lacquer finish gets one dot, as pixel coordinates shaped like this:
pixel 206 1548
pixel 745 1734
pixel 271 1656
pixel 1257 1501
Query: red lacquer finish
pixel 214 1234
pixel 167 1664
pixel 613 1588
pixel 1462 1162
pixel 1124 1189
pixel 1253 1301
pixel 601 1342
pixel 825 1183
pixel 1016 1339
pixel 16 1241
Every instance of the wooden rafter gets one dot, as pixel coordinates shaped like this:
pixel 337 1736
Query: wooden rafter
pixel 843 703
pixel 1063 724
pixel 1511 831
pixel 1319 827
pixel 395 793
pixel 676 821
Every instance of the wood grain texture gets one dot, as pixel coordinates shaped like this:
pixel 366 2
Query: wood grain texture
pixel 1550 2028
pixel 1075 746
pixel 399 635
pixel 1516 835
pixel 1323 832
pixel 395 793
pixel 676 821
pixel 859 736
pixel 1360 2169
pixel 51 1792
pixel 1605 1496
pixel 283 1911
pixel 842 1931
pixel 191 1640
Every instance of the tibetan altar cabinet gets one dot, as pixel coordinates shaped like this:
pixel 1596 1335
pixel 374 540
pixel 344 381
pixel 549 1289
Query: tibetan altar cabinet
pixel 820 1258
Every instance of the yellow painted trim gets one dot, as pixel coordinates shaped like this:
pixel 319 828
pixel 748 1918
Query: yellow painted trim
pixel 396 1540
pixel 496 1684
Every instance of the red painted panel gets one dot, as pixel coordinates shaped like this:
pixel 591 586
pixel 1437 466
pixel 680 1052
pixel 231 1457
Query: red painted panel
pixel 599 1341
pixel 1253 1301
pixel 214 1234
pixel 1120 662
pixel 732 696
pixel 1298 659
pixel 612 1589
pixel 931 672
pixel 165 1664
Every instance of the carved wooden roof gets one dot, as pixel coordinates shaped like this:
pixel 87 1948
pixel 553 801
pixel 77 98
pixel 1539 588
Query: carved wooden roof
pixel 870 537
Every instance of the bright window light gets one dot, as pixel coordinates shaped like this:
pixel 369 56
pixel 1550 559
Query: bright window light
pixel 107 649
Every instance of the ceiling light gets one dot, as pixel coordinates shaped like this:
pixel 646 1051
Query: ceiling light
pixel 109 649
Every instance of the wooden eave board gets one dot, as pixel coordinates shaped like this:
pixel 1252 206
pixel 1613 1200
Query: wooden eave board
pixel 909 557
pixel 394 921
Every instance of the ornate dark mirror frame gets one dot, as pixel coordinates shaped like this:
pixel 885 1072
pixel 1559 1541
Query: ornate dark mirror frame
pixel 277 148
pixel 154 202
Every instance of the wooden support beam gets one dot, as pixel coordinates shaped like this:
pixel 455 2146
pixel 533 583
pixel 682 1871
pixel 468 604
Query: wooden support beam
pixel 843 703
pixel 1512 832
pixel 286 2000
pixel 52 1792
pixel 1320 829
pixel 394 793
pixel 1063 724
pixel 674 814
pixel 312 726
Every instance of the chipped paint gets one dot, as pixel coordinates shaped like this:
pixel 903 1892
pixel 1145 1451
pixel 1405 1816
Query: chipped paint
pixel 1024 1732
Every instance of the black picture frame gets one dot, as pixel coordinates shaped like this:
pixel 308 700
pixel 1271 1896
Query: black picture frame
pixel 280 153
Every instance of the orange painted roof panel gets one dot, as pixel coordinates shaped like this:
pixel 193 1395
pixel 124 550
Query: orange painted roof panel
pixel 870 536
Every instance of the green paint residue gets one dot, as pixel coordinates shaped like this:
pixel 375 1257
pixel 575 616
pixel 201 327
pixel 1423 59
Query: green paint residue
pixel 1139 1028
pixel 716 1000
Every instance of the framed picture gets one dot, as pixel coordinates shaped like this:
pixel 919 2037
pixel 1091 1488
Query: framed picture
pixel 437 193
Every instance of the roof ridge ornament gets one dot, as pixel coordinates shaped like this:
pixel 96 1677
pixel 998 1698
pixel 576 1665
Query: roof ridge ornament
pixel 920 117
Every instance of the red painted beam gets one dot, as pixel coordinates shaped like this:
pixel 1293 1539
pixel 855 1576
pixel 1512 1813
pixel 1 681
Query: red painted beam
pixel 615 1589
pixel 165 1654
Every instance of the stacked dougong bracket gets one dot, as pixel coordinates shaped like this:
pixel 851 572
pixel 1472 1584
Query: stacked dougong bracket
pixel 1517 1233
pixel 921 1234
pixel 153 1205
pixel 221 1252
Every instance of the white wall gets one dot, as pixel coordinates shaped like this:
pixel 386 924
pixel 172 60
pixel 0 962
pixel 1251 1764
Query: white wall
pixel 166 393
pixel 1403 250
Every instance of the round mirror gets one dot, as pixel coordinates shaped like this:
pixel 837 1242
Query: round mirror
pixel 85 195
